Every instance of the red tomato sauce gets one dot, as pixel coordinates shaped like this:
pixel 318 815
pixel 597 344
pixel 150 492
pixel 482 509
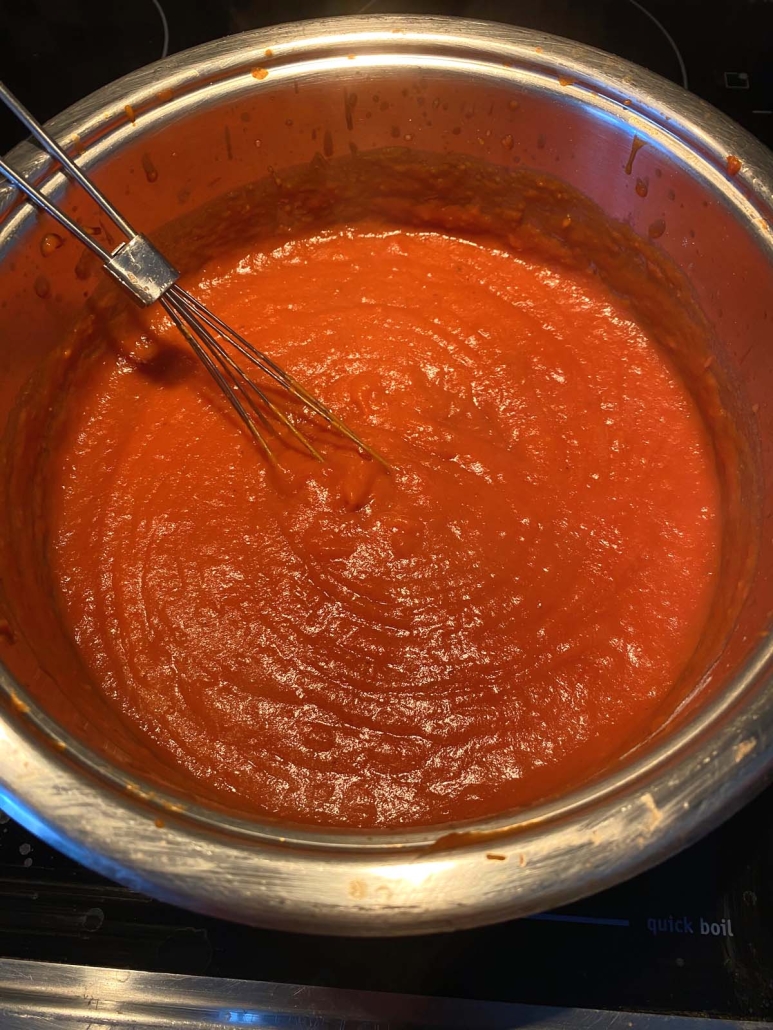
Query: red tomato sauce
pixel 490 623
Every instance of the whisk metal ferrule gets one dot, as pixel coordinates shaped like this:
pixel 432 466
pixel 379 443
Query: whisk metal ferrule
pixel 142 269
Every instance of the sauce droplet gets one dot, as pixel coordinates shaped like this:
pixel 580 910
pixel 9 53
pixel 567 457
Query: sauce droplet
pixel 636 145
pixel 85 265
pixel 656 229
pixel 51 241
pixel 42 287
pixel 259 73
pixel 642 187
pixel 129 111
pixel 734 166
pixel 151 173
pixel 350 102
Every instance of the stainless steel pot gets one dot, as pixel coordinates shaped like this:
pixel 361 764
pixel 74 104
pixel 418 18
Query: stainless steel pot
pixel 166 139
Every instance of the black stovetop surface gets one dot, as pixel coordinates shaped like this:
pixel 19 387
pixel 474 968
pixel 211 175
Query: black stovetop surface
pixel 695 934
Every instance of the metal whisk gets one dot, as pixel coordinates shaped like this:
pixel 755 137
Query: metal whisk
pixel 144 271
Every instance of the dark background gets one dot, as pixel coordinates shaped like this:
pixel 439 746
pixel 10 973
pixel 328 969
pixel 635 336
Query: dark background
pixel 53 52
pixel 606 952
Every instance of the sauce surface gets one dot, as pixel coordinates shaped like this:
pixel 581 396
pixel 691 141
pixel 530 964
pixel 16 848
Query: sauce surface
pixel 490 623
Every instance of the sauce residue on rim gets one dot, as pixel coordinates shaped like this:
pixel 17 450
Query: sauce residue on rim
pixel 488 624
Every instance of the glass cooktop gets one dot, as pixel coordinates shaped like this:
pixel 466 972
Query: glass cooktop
pixel 695 935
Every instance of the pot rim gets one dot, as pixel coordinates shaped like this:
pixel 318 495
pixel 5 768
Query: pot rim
pixel 383 875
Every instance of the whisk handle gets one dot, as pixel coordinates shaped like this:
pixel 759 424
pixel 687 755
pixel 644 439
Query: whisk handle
pixel 40 200
pixel 139 266
pixel 69 167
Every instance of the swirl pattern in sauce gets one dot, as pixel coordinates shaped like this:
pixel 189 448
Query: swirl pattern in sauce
pixel 490 623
